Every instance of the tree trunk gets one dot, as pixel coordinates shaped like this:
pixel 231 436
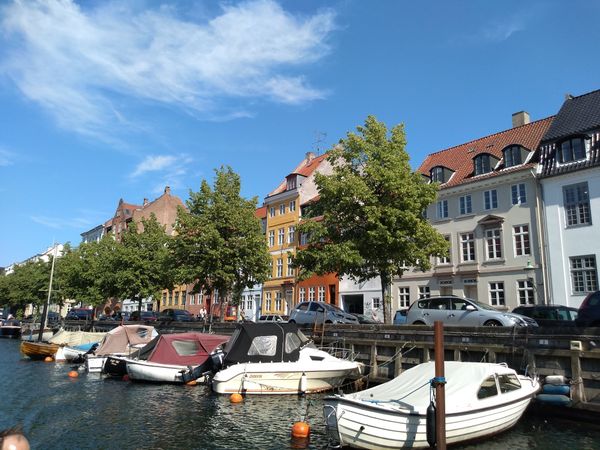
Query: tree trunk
pixel 386 296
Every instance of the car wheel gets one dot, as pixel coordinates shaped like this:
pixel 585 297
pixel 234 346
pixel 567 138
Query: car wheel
pixel 328 321
pixel 291 321
pixel 492 323
pixel 418 322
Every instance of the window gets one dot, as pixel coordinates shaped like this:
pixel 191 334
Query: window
pixel 270 268
pixel 311 293
pixel 437 175
pixel 521 233
pixel 467 245
pixel 488 388
pixel 271 238
pixel 490 199
pixel 508 383
pixel 424 292
pixel 518 194
pixel 512 155
pixel 278 301
pixel 303 238
pixel 291 234
pixel 250 303
pixel 164 299
pixel 292 205
pixel 183 298
pixel 279 267
pixel 268 302
pixel 442 209
pixel 482 164
pixel 321 293
pixel 465 205
pixel 291 183
pixel 571 150
pixel 302 294
pixel 525 291
pixel 282 209
pixel 584 276
pixel 281 236
pixel 290 267
pixel 193 299
pixel 170 298
pixel 272 211
pixel 497 293
pixel 445 259
pixel 577 204
pixel 176 302
pixel 493 242
pixel 404 297
pixel 376 303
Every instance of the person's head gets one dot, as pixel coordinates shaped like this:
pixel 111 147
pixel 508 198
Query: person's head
pixel 13 439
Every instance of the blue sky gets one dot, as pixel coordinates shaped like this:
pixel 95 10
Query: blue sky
pixel 107 100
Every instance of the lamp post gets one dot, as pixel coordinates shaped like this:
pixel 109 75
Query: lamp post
pixel 530 271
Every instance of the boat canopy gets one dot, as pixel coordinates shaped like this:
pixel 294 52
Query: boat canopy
pixel 468 385
pixel 183 349
pixel 265 342
pixel 74 338
pixel 123 337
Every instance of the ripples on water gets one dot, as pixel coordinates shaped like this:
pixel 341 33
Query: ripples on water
pixel 91 412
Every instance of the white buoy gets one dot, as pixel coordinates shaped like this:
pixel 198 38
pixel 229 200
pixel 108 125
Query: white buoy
pixel 303 382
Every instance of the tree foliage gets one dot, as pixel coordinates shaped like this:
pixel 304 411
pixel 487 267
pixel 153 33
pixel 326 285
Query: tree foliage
pixel 28 283
pixel 368 221
pixel 219 244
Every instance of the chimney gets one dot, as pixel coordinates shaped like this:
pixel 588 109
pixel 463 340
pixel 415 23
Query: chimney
pixel 568 97
pixel 145 201
pixel 309 157
pixel 520 118
pixel 167 190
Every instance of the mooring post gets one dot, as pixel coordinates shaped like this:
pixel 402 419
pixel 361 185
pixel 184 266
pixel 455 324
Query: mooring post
pixel 440 393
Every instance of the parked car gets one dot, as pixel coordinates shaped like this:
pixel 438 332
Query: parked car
pixel 178 315
pixel 589 311
pixel 53 317
pixel 273 318
pixel 362 318
pixel 80 314
pixel 400 317
pixel 549 315
pixel 320 312
pixel 458 311
pixel 105 317
pixel 144 316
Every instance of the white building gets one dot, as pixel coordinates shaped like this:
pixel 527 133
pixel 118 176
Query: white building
pixel 569 174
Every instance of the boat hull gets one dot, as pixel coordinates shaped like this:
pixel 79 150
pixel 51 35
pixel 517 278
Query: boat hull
pixel 10 331
pixel 154 372
pixel 94 364
pixel 38 350
pixel 278 378
pixel 354 424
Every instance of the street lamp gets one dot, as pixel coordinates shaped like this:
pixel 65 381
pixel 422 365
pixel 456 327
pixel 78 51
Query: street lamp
pixel 529 271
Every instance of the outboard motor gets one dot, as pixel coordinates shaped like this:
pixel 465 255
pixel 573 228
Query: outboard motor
pixel 216 360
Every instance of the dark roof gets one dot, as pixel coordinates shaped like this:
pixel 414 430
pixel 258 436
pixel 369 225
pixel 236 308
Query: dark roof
pixel 577 115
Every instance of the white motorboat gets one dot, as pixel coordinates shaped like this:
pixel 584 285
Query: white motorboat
pixel 277 358
pixel 169 355
pixel 482 399
pixel 124 341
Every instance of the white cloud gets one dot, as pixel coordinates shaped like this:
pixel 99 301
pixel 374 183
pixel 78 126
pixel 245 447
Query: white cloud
pixel 153 164
pixel 85 65
pixel 171 170
pixel 499 32
pixel 6 158
pixel 60 223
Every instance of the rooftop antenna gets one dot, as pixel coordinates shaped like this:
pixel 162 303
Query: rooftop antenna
pixel 319 138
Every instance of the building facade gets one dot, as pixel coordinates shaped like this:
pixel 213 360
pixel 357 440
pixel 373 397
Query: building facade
pixel 487 208
pixel 569 174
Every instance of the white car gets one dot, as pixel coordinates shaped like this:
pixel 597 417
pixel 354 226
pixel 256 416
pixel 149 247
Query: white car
pixel 320 312
pixel 464 312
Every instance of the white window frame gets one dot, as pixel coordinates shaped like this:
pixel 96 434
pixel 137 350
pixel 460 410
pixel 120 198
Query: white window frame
pixel 584 274
pixel 321 293
pixel 442 209
pixel 272 211
pixel 424 292
pixel 445 260
pixel 301 294
pixel 525 292
pixel 290 269
pixel 281 236
pixel 282 209
pixel 496 293
pixel 311 294
pixel 522 240
pixel 490 199
pixel 279 267
pixel 268 302
pixel 271 238
pixel 465 205
pixel 576 198
pixel 493 243
pixel 292 205
pixel 518 194
pixel 278 301
pixel 467 247
pixel 404 297
pixel 291 234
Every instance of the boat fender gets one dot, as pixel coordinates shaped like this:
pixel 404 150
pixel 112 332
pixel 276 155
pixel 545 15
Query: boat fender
pixel 303 383
pixel 559 400
pixel 555 379
pixel 431 439
pixel 556 389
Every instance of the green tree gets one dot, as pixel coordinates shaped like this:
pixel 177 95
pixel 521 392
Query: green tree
pixel 141 263
pixel 27 284
pixel 219 244
pixel 370 212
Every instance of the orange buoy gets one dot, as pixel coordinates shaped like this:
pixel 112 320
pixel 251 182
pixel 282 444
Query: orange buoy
pixel 300 430
pixel 125 377
pixel 73 374
pixel 48 359
pixel 192 383
pixel 236 398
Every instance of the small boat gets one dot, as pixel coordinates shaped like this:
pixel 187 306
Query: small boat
pixel 482 399
pixel 169 355
pixel 122 341
pixel 277 358
pixel 10 328
pixel 40 350
pixel 75 353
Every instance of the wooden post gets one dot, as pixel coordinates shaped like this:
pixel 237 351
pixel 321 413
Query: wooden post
pixel 440 392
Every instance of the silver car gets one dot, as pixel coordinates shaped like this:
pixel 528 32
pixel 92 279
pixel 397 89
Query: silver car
pixel 320 312
pixel 464 312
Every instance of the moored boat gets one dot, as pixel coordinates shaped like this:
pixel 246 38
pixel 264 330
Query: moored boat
pixel 39 350
pixel 277 358
pixel 10 328
pixel 482 399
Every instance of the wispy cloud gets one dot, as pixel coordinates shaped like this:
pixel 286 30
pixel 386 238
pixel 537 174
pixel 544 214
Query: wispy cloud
pixel 59 223
pixel 86 65
pixel 171 170
pixel 153 164
pixel 498 32
pixel 6 158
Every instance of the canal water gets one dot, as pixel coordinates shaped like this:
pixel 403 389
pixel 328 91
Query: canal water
pixel 91 412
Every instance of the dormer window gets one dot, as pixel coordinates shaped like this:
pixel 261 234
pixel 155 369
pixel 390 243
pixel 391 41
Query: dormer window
pixel 482 164
pixel 571 150
pixel 440 174
pixel 291 182
pixel 513 155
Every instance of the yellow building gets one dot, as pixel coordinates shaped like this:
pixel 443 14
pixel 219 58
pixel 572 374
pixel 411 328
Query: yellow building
pixel 283 215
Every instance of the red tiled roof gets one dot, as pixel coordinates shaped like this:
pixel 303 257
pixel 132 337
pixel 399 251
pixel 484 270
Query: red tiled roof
pixel 460 158
pixel 261 212
pixel 304 168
